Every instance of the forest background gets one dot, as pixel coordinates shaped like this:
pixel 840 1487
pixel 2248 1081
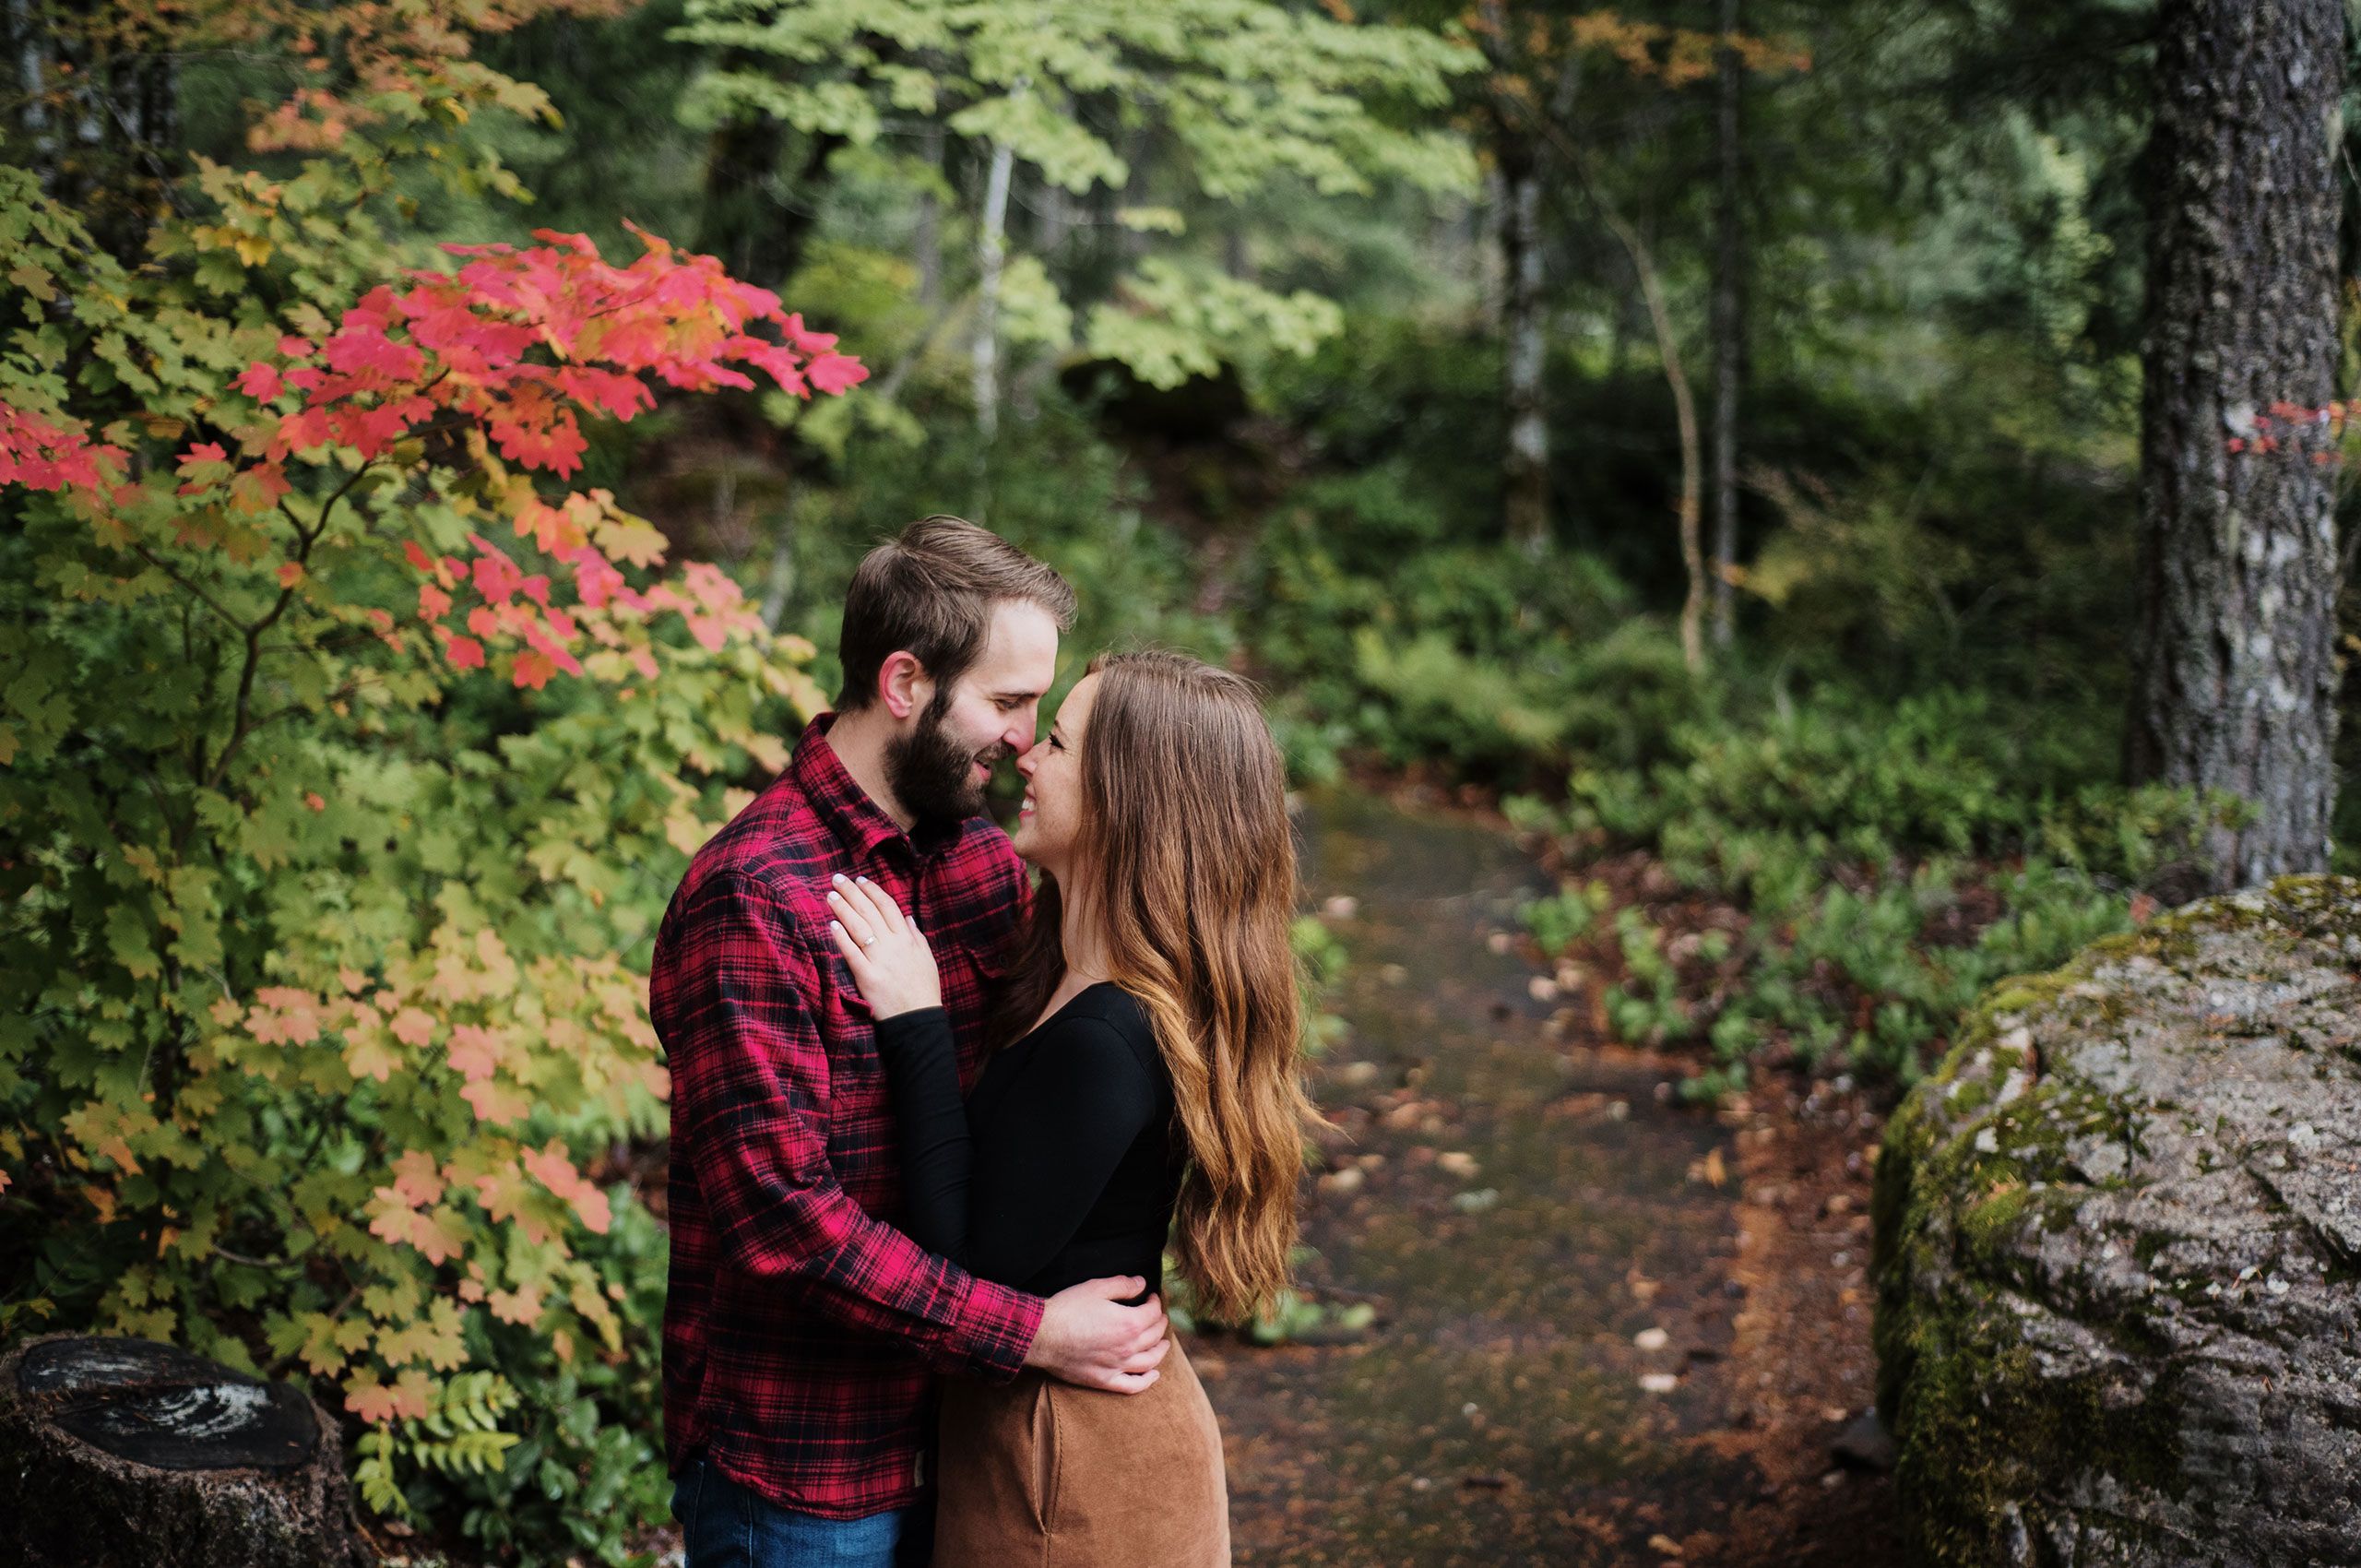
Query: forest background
pixel 1709 429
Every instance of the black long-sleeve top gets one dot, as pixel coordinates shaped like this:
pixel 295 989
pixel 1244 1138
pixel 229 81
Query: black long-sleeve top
pixel 1062 1166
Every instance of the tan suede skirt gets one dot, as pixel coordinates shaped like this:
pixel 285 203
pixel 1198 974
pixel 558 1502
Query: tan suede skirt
pixel 1041 1474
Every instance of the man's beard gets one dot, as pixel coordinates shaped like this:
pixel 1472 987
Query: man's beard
pixel 931 774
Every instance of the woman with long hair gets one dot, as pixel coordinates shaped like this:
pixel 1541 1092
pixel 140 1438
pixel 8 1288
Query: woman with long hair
pixel 1145 1084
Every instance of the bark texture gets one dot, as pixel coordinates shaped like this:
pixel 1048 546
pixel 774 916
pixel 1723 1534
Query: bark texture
pixel 2235 670
pixel 127 1454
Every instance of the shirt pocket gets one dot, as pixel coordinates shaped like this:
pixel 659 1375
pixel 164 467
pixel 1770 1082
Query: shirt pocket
pixel 860 1129
pixel 972 977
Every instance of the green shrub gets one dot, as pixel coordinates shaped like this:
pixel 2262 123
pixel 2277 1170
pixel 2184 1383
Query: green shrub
pixel 1854 835
pixel 1566 915
pixel 322 981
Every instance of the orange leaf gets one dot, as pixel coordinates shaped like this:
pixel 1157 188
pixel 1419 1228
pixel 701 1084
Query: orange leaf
pixel 416 1180
pixel 367 1057
pixel 497 1103
pixel 522 1305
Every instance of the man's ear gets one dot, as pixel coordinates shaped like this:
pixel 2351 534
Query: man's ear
pixel 903 685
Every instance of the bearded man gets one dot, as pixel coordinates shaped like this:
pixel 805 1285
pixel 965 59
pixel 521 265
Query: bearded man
pixel 802 1332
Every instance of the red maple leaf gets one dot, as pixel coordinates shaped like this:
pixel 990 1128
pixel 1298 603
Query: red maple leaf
pixel 259 381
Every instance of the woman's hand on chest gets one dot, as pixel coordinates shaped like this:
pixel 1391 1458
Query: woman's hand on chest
pixel 889 957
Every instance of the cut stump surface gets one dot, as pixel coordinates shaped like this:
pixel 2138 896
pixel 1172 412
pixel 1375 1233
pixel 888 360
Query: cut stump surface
pixel 129 1453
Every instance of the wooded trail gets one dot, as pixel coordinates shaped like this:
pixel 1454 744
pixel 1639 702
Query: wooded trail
pixel 1552 1248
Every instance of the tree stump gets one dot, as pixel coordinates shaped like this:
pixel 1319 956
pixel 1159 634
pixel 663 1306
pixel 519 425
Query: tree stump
pixel 127 1454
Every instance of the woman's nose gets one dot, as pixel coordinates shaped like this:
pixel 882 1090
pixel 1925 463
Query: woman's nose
pixel 1025 764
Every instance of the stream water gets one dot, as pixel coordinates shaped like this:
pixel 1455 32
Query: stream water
pixel 1529 1221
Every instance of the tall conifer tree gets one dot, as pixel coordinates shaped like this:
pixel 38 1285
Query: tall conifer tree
pixel 2236 675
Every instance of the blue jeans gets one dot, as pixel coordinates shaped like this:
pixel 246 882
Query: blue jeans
pixel 727 1525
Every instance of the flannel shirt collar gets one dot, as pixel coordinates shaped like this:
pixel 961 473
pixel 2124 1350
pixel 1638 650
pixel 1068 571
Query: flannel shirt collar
pixel 859 823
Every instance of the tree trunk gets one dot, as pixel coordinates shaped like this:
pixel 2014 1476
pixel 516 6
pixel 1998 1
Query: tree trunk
pixel 1052 223
pixel 96 117
pixel 758 236
pixel 1684 409
pixel 2236 669
pixel 779 580
pixel 30 41
pixel 1728 330
pixel 990 252
pixel 1523 342
pixel 927 238
pixel 127 1454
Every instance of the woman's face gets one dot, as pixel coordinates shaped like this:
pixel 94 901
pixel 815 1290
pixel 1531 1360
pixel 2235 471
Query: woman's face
pixel 1050 817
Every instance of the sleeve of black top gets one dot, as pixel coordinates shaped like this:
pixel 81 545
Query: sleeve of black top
pixel 922 1065
pixel 1000 1198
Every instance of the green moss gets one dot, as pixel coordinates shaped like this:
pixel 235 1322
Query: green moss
pixel 1980 1429
pixel 1994 1217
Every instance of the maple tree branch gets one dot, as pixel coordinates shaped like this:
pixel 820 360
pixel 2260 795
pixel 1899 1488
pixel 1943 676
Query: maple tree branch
pixel 278 1263
pixel 354 639
pixel 345 692
pixel 210 602
pixel 311 535
pixel 241 727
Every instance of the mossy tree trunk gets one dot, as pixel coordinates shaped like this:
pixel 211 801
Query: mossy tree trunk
pixel 2236 675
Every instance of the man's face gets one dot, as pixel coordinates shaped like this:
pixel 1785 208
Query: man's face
pixel 940 767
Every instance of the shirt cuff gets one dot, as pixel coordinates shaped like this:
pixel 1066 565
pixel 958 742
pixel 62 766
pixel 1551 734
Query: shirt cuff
pixel 997 1326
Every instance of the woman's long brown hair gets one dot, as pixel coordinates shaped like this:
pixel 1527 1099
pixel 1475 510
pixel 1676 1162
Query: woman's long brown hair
pixel 1183 848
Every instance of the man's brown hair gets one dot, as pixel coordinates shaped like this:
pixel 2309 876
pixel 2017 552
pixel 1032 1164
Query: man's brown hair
pixel 930 594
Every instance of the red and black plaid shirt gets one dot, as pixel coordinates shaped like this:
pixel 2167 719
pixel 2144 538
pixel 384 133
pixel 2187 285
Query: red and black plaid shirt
pixel 801 1329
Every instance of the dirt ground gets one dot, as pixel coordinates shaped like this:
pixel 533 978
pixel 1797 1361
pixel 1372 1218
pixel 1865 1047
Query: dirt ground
pixel 1801 1367
pixel 1611 1328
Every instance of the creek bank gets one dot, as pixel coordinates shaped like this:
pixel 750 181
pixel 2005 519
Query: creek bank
pixel 2118 1253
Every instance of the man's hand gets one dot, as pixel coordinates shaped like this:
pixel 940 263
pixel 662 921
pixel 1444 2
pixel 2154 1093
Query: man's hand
pixel 1087 1337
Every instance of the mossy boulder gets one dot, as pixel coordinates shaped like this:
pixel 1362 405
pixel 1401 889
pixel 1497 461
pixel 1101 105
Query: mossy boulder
pixel 2119 1253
